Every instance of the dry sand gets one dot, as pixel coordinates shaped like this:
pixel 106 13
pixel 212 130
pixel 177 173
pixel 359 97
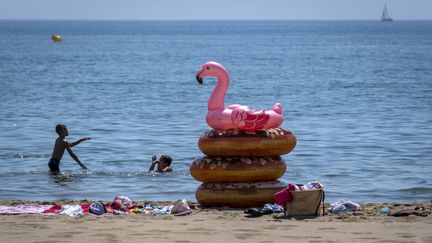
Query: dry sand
pixel 219 225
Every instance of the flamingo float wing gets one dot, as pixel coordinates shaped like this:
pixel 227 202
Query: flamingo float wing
pixel 249 120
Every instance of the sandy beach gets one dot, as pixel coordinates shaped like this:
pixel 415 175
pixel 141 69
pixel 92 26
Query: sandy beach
pixel 219 225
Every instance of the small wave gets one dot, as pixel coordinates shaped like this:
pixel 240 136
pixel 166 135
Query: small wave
pixel 21 173
pixel 306 155
pixel 70 173
pixel 416 190
pixel 332 175
pixel 102 130
pixel 24 156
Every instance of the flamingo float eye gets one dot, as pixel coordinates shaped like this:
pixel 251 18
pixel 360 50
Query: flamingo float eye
pixel 208 68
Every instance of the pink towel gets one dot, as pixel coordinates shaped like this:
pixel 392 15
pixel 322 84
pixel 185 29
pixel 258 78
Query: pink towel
pixel 284 196
pixel 20 209
pixel 53 209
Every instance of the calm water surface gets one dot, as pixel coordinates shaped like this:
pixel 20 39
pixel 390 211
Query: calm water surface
pixel 358 96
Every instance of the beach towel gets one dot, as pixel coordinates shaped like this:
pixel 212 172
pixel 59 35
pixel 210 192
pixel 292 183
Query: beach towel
pixel 23 209
pixel 55 209
pixel 85 207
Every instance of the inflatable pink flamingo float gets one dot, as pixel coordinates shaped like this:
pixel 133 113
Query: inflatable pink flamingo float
pixel 236 116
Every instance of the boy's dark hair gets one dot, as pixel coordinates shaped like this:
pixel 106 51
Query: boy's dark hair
pixel 59 128
pixel 166 158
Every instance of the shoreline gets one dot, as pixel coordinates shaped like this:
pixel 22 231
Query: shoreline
pixel 218 224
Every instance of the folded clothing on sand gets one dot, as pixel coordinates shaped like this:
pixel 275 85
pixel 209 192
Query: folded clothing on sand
pixel 72 210
pixel 343 206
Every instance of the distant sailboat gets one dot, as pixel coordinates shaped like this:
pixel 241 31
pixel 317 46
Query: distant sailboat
pixel 385 16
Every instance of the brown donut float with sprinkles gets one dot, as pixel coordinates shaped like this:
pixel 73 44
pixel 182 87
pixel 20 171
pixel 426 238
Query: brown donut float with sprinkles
pixel 237 169
pixel 238 195
pixel 268 142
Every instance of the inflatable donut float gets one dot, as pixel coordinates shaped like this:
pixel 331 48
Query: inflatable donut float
pixel 237 169
pixel 238 195
pixel 268 142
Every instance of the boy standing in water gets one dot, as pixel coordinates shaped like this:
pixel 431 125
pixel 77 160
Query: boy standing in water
pixel 59 147
pixel 162 165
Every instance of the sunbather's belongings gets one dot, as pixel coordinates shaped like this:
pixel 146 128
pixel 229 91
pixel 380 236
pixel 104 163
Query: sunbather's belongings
pixel 181 208
pixel 269 142
pixel 253 212
pixel 120 205
pixel 385 210
pixel 301 200
pixel 343 206
pixel 125 201
pixel 267 209
pixel 237 169
pixel 238 195
pixel 97 208
pixel 408 212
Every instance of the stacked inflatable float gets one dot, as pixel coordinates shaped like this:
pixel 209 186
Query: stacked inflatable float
pixel 243 150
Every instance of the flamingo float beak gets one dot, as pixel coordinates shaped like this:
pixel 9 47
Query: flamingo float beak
pixel 198 78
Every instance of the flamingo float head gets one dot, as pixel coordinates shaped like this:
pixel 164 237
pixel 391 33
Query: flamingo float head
pixel 210 69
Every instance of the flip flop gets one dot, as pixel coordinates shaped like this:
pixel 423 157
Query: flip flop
pixel 254 212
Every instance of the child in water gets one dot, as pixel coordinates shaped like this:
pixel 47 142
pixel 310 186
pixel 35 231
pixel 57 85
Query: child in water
pixel 162 165
pixel 59 147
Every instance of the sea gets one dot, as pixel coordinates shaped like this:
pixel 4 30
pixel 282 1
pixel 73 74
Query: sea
pixel 357 95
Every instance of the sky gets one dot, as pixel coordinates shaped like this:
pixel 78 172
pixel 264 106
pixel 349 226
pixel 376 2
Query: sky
pixel 214 10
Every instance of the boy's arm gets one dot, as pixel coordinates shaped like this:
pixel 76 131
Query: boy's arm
pixel 152 166
pixel 73 144
pixel 72 154
pixel 167 169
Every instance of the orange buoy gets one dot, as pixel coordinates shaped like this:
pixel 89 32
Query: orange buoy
pixel 56 38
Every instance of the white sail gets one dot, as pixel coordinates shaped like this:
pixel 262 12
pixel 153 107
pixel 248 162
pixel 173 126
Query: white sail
pixel 384 15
